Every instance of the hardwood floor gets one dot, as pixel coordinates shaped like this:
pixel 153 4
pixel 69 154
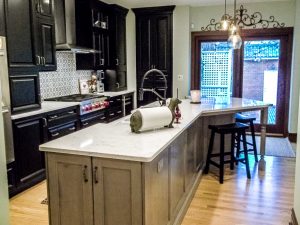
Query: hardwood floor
pixel 266 199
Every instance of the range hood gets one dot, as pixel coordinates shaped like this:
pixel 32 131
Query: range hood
pixel 65 28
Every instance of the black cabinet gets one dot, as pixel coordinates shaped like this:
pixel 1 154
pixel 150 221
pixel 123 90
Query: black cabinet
pixel 2 18
pixel 31 35
pixel 29 161
pixel 118 45
pixel 154 48
pixel 25 92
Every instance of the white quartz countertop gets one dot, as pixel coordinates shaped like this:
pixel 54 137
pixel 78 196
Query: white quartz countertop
pixel 46 106
pixel 116 141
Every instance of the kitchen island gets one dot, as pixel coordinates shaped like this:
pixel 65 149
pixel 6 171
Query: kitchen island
pixel 106 175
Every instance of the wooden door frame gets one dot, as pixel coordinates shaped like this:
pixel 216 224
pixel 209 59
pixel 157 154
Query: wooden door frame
pixel 286 33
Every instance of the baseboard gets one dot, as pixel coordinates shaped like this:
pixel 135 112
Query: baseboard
pixel 292 137
pixel 294 220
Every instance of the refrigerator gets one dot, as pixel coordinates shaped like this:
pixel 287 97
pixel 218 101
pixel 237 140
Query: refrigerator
pixel 3 146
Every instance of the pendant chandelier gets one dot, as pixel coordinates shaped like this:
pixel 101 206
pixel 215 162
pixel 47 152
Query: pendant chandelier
pixel 240 19
pixel 230 24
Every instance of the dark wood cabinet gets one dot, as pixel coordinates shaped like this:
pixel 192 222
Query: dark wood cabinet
pixel 154 48
pixel 118 45
pixel 2 18
pixel 31 35
pixel 29 161
pixel 25 92
pixel 46 46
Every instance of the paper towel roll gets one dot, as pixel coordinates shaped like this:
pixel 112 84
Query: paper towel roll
pixel 155 117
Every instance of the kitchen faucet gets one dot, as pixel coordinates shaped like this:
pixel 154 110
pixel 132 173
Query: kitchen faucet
pixel 142 89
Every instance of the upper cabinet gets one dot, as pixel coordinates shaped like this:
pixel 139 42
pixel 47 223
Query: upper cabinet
pixel 154 48
pixel 30 35
pixel 2 18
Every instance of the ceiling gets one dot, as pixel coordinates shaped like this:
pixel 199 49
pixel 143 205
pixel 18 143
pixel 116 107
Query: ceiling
pixel 145 3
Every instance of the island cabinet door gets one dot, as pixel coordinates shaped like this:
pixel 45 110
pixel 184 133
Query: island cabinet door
pixel 70 189
pixel 117 192
pixel 192 144
pixel 156 185
pixel 176 172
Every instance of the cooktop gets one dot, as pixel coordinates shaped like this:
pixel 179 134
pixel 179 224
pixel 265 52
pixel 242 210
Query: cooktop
pixel 74 98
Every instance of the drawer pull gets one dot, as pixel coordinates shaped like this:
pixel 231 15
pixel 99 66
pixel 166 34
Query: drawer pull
pixel 112 114
pixel 71 112
pixel 72 128
pixel 103 118
pixel 53 117
pixel 119 99
pixel 85 174
pixel 55 135
pixel 85 124
pixel 119 112
pixel 111 101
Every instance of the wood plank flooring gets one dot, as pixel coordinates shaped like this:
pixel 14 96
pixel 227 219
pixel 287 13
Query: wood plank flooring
pixel 266 199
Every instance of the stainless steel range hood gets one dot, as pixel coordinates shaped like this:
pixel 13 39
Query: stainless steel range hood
pixel 65 28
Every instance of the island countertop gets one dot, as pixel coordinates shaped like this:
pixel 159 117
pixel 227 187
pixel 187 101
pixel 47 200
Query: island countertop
pixel 116 141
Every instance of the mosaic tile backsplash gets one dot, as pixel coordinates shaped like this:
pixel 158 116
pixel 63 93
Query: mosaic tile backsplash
pixel 64 81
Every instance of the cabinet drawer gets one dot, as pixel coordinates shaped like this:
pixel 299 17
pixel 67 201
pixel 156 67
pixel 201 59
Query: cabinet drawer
pixel 115 101
pixel 59 118
pixel 114 113
pixel 92 119
pixel 62 130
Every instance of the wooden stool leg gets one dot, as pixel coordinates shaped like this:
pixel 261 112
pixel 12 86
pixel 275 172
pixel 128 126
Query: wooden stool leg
pixel 210 148
pixel 221 178
pixel 232 158
pixel 253 141
pixel 246 154
pixel 238 147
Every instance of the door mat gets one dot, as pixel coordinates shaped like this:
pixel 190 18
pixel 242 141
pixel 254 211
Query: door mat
pixel 45 201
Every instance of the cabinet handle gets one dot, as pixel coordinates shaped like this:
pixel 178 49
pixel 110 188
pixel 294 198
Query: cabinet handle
pixel 45 122
pixel 55 135
pixel 37 6
pixel 43 61
pixel 112 114
pixel 85 174
pixel 72 128
pixel 96 175
pixel 119 112
pixel 38 60
pixel 53 117
pixel 103 118
pixel 118 86
pixel 117 62
pixel 111 101
pixel 85 124
pixel 102 62
pixel 41 8
pixel 71 112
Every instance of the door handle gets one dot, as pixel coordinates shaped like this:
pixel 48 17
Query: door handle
pixel 85 174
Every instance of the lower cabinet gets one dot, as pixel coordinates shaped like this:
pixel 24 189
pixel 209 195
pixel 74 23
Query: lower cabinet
pixel 85 190
pixel 29 161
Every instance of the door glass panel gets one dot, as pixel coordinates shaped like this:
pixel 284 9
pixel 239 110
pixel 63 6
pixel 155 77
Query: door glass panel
pixel 260 74
pixel 216 70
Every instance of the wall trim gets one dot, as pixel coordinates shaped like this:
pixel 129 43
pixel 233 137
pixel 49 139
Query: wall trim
pixel 292 137
pixel 293 218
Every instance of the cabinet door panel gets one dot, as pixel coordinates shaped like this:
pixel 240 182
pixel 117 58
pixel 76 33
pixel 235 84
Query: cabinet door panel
pixel 192 142
pixel 46 7
pixel 156 198
pixel 25 92
pixel 117 192
pixel 47 45
pixel 20 34
pixel 70 189
pixel 161 48
pixel 177 150
pixel 27 138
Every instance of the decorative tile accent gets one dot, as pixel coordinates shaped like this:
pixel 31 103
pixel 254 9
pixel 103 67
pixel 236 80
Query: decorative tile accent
pixel 64 81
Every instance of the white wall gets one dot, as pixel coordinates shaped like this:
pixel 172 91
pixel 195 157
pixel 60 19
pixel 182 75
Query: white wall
pixel 297 74
pixel 181 50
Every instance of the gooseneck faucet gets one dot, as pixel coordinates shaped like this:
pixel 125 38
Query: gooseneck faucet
pixel 142 89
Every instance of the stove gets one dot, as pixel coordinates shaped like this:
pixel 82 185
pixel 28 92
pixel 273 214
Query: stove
pixel 88 103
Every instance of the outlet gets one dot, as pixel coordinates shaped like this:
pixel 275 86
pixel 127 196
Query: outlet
pixel 180 77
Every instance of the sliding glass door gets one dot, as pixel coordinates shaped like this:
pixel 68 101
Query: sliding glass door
pixel 260 70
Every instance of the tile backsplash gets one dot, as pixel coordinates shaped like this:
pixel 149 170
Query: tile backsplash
pixel 64 81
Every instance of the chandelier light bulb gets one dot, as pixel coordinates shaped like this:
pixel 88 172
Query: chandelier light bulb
pixel 225 24
pixel 235 41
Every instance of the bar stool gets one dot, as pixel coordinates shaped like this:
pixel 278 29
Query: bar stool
pixel 248 120
pixel 235 129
